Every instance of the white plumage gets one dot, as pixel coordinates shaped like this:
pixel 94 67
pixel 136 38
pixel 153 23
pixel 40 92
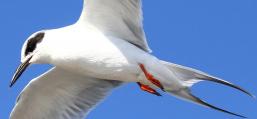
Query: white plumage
pixel 106 47
pixel 59 94
pixel 117 18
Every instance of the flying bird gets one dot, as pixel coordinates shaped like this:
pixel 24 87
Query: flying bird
pixel 104 49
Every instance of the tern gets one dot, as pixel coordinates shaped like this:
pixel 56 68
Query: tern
pixel 104 49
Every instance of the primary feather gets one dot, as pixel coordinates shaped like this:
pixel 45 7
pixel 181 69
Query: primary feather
pixel 59 94
pixel 117 18
pixel 102 44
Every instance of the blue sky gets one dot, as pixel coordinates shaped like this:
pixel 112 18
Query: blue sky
pixel 215 36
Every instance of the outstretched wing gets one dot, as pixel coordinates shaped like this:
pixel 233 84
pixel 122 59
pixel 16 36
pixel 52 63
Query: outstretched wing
pixel 59 94
pixel 119 18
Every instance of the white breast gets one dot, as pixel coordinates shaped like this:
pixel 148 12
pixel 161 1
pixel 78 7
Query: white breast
pixel 94 54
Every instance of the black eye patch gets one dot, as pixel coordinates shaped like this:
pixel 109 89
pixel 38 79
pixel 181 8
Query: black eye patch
pixel 32 42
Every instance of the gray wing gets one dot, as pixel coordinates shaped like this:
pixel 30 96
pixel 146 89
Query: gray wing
pixel 59 94
pixel 119 18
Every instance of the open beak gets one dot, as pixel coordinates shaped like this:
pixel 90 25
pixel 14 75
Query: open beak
pixel 23 66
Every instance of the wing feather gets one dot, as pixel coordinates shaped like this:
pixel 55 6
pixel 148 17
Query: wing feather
pixel 59 94
pixel 118 18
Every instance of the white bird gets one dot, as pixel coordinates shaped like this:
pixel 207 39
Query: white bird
pixel 105 48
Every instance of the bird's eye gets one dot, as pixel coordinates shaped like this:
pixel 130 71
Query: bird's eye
pixel 32 43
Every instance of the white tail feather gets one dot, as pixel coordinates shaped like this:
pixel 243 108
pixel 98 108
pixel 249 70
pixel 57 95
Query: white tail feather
pixel 190 77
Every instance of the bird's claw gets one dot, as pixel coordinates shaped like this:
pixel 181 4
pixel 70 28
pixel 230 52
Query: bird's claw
pixel 148 89
pixel 151 78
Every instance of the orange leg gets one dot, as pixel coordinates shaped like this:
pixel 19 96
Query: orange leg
pixel 151 78
pixel 148 89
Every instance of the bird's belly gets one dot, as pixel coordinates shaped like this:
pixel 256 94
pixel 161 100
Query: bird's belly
pixel 107 61
pixel 110 68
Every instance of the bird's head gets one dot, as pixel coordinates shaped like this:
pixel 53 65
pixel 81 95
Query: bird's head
pixel 29 54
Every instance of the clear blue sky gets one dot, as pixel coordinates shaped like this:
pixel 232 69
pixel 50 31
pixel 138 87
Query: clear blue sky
pixel 216 36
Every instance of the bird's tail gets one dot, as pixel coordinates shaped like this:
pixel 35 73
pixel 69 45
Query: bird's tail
pixel 190 77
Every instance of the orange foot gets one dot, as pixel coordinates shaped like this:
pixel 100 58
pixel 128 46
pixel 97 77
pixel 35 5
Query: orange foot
pixel 148 89
pixel 151 78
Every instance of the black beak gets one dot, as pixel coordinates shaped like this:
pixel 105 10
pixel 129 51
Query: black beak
pixel 20 70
